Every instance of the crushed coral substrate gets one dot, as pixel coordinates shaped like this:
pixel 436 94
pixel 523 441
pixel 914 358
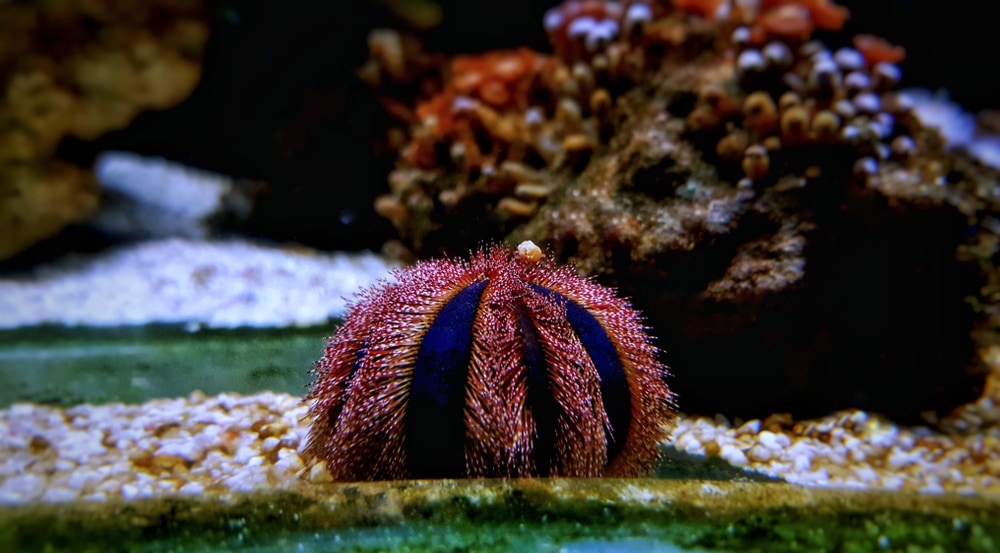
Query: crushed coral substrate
pixel 233 443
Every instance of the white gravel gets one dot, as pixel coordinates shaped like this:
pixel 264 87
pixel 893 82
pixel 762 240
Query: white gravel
pixel 854 449
pixel 232 443
pixel 216 284
pixel 168 446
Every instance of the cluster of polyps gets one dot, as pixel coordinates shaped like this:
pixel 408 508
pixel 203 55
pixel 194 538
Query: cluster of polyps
pixel 794 93
pixel 502 119
pixel 500 124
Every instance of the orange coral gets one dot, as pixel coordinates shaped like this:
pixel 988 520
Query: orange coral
pixel 827 15
pixel 480 94
pixel 501 79
pixel 824 14
pixel 876 49
pixel 790 19
pixel 706 8
pixel 797 19
pixel 787 21
pixel 438 107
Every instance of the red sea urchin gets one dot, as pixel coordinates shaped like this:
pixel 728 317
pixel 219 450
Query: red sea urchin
pixel 503 365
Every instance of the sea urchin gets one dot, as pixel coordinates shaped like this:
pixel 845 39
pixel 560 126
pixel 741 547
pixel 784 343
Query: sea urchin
pixel 503 365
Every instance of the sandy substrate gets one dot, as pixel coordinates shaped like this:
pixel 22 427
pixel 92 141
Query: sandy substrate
pixel 229 442
pixel 216 284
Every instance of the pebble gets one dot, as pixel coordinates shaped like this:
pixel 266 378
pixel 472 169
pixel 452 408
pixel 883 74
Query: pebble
pixel 191 488
pixel 734 455
pixel 760 453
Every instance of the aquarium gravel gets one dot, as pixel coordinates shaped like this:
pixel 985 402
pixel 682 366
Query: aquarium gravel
pixel 233 443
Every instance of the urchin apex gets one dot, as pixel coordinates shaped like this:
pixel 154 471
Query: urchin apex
pixel 504 365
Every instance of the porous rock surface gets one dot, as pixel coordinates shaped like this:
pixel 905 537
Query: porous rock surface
pixel 851 270
pixel 80 70
pixel 798 294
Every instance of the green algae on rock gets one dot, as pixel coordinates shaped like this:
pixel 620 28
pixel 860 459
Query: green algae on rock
pixel 491 515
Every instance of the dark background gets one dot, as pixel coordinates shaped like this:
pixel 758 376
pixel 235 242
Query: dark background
pixel 279 102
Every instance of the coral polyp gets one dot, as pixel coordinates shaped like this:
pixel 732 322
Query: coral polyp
pixel 504 365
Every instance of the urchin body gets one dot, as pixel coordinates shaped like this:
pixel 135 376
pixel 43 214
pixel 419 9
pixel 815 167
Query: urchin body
pixel 504 365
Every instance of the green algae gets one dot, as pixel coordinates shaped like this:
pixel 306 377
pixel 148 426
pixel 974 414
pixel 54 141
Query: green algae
pixel 67 366
pixel 517 515
pixel 677 464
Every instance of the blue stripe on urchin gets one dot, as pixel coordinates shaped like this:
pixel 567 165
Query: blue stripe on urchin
pixel 615 394
pixel 540 399
pixel 435 435
pixel 435 417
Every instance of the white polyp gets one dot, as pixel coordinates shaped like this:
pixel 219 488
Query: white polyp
pixel 867 102
pixel 580 27
pixel 849 59
pixel 603 32
pixel 637 16
pixel 857 80
pixel 553 19
pixel 750 60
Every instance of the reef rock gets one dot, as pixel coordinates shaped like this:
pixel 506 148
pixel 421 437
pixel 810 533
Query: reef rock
pixel 80 70
pixel 799 294
pixel 798 240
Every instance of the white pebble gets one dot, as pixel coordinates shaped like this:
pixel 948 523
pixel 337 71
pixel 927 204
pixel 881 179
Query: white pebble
pixel 760 454
pixel 734 455
pixel 21 410
pixel 24 486
pixel 83 479
pixel 709 489
pixel 318 473
pixel 288 464
pixel 184 448
pixel 191 488
pixel 900 459
pixel 81 445
pixel 130 491
pixel 59 495
pixel 255 461
pixel 244 454
pixel 773 441
pixel 802 463
pixel 269 444
pixel 749 427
